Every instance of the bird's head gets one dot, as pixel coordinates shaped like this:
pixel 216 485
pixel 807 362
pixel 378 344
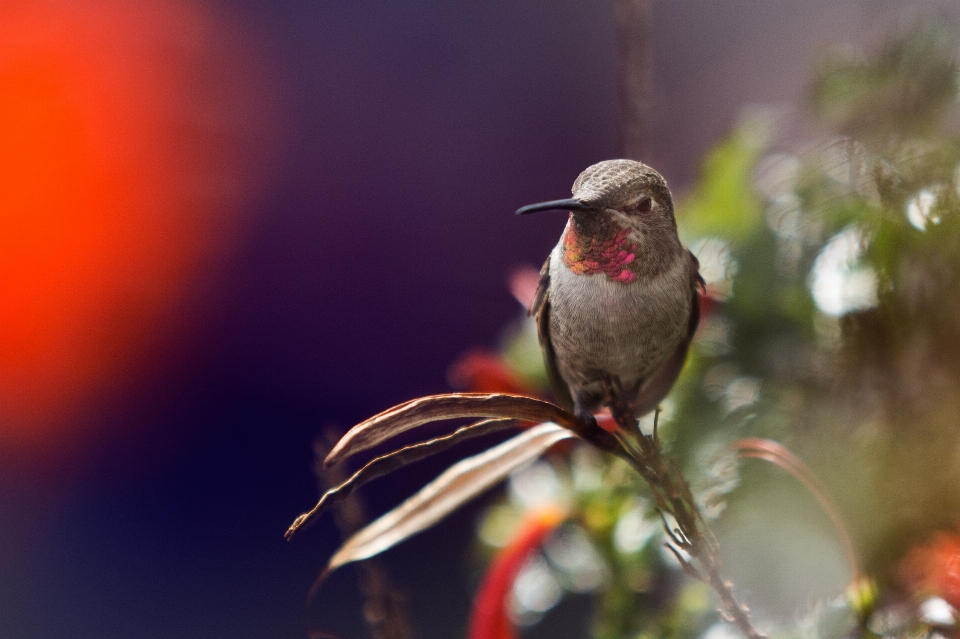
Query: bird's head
pixel 619 194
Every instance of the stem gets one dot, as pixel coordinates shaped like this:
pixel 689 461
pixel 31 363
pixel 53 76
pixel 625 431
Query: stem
pixel 634 77
pixel 672 495
pixel 385 610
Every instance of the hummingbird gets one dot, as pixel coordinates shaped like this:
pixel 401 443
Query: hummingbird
pixel 618 299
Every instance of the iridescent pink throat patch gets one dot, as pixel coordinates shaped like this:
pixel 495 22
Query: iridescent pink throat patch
pixel 593 256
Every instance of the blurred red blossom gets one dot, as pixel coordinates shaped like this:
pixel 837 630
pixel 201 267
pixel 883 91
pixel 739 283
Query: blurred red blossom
pixel 483 371
pixel 934 568
pixel 708 304
pixel 523 283
pixel 491 619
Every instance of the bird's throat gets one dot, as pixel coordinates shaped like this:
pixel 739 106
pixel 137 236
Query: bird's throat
pixel 608 252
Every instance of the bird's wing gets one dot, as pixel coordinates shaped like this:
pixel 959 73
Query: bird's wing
pixel 663 379
pixel 540 310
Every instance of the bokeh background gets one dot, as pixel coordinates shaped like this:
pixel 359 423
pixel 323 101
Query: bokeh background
pixel 226 226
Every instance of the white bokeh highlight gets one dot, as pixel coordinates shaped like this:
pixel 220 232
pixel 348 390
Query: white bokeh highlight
pixel 838 282
pixel 920 210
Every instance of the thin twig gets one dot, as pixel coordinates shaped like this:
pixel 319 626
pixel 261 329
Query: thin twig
pixel 634 77
pixel 775 453
pixel 656 424
pixel 686 565
pixel 384 606
pixel 672 495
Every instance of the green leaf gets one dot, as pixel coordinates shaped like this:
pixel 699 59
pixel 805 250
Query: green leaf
pixel 723 203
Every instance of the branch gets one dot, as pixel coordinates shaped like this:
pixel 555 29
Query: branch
pixel 385 609
pixel 634 81
pixel 672 495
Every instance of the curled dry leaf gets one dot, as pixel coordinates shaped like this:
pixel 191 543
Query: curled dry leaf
pixel 423 410
pixel 457 485
pixel 392 461
pixel 780 455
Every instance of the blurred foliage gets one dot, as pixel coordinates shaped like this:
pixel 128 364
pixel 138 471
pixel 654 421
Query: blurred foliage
pixel 904 89
pixel 831 248
pixel 723 201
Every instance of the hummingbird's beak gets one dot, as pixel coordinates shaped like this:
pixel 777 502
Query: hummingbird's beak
pixel 556 205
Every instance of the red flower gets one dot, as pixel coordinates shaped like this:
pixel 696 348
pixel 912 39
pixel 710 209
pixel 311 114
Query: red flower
pixel 708 304
pixel 490 618
pixel 481 371
pixel 934 569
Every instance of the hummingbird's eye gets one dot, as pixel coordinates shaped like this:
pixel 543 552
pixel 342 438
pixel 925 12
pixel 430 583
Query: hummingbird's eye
pixel 645 205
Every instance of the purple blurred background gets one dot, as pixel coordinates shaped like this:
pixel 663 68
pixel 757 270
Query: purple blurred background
pixel 393 141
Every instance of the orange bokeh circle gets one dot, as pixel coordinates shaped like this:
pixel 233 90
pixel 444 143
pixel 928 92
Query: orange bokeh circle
pixel 126 138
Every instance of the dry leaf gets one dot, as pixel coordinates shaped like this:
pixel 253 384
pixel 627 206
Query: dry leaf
pixel 433 408
pixel 776 453
pixel 392 461
pixel 457 485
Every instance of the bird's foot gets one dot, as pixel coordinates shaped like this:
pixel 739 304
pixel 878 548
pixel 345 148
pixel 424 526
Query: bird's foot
pixel 624 415
pixel 583 414
pixel 585 417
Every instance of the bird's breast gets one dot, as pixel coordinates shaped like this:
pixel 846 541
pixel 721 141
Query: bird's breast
pixel 610 254
pixel 624 329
